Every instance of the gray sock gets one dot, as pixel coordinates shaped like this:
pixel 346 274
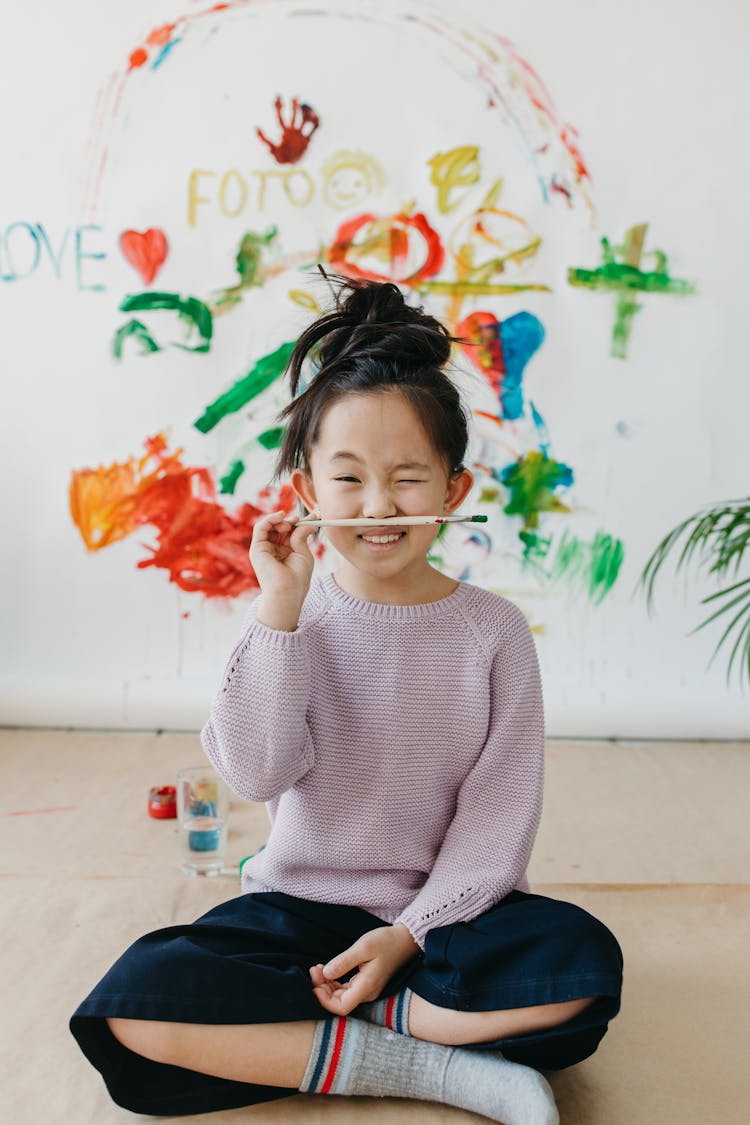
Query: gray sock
pixel 352 1056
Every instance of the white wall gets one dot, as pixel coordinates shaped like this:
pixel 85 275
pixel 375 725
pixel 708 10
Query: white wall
pixel 656 94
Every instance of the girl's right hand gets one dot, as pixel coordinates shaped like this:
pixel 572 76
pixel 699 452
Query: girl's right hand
pixel 281 557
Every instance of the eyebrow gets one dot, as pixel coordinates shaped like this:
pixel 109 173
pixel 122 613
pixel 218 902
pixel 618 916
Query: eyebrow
pixel 345 455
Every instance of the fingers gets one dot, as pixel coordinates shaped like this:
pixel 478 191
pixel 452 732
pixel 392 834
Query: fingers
pixel 276 530
pixel 341 1002
pixel 271 527
pixel 351 958
pixel 332 995
pixel 303 531
pixel 335 997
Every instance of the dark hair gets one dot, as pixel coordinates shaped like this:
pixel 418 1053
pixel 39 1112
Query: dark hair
pixel 374 342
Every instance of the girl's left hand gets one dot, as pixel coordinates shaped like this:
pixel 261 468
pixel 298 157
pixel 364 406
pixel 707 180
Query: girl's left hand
pixel 378 953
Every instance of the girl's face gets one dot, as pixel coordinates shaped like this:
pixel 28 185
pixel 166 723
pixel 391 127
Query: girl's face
pixel 374 460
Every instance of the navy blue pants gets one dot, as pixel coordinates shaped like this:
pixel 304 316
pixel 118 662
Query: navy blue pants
pixel 248 959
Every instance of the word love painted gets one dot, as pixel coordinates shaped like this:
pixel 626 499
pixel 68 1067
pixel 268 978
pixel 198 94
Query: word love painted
pixel 27 249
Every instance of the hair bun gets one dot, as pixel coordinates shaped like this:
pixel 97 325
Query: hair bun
pixel 364 308
pixel 376 304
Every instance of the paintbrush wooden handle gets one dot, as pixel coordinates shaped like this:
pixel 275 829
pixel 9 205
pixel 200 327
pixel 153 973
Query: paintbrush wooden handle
pixel 401 521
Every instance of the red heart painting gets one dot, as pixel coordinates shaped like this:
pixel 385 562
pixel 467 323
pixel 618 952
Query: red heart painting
pixel 145 251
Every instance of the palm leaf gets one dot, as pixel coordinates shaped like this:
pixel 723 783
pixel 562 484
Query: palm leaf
pixel 744 611
pixel 721 535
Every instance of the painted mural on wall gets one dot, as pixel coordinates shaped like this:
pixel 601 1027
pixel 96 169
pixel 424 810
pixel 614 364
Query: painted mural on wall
pixel 464 242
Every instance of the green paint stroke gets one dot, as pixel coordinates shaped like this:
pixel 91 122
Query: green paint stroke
pixel 272 439
pixel 595 565
pixel 625 277
pixel 249 262
pixel 228 482
pixel 268 368
pixel 139 332
pixel 597 562
pixel 269 439
pixel 531 481
pixel 434 559
pixel 189 309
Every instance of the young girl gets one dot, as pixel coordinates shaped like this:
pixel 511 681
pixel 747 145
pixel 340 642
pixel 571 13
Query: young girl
pixel 386 941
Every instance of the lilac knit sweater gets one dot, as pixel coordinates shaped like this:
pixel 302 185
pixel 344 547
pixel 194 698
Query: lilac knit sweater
pixel 399 750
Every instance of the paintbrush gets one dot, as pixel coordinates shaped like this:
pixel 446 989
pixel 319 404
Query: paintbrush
pixel 402 521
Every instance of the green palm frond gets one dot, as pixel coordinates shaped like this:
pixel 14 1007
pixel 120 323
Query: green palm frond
pixel 721 535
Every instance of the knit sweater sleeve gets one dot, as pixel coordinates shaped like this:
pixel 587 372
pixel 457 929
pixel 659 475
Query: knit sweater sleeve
pixel 488 843
pixel 256 736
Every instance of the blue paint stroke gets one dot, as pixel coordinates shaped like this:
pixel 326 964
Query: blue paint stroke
pixel 541 429
pixel 521 335
pixel 165 51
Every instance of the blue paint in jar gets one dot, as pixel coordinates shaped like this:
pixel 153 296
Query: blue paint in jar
pixel 207 839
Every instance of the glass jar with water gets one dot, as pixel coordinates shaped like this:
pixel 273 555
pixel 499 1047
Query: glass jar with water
pixel 202 814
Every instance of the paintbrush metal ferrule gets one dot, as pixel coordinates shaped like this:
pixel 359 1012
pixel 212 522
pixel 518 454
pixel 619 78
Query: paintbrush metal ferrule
pixel 403 521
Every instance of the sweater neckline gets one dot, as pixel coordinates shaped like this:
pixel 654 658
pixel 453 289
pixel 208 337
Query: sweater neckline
pixel 385 609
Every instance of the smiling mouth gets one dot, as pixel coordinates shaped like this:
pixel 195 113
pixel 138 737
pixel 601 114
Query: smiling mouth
pixel 388 543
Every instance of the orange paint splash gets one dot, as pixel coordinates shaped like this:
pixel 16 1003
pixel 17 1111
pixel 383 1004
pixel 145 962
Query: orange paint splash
pixel 202 545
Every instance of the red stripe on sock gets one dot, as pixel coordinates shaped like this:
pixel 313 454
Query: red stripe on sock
pixel 389 1012
pixel 340 1029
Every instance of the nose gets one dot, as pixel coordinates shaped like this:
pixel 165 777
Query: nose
pixel 378 506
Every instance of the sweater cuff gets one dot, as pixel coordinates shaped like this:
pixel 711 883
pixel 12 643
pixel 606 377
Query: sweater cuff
pixel 419 919
pixel 289 637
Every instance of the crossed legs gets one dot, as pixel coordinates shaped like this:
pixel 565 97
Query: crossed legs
pixel 276 1054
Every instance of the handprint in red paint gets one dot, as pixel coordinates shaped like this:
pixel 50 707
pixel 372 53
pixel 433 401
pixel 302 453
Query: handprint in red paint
pixel 294 141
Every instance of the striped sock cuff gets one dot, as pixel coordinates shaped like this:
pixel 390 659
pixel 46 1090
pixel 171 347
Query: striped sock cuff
pixel 390 1011
pixel 335 1045
pixel 396 1015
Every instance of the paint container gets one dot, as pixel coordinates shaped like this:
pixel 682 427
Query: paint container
pixel 162 802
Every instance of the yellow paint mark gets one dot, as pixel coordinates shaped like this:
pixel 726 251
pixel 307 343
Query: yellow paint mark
pixel 450 171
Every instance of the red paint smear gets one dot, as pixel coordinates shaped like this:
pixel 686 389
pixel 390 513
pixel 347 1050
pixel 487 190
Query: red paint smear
pixel 138 58
pixel 35 812
pixel 389 236
pixel 562 190
pixel 574 150
pixel 146 251
pixel 202 545
pixel 541 99
pixel 493 418
pixel 486 350
pixel 160 35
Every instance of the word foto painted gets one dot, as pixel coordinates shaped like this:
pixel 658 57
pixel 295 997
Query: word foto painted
pixel 346 178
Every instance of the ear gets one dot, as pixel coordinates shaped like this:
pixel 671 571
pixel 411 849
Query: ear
pixel 301 482
pixel 458 489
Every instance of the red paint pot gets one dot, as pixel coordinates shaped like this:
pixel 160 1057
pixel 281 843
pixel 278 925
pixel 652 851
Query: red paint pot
pixel 162 802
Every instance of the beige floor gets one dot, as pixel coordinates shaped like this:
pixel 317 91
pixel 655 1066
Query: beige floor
pixel 653 838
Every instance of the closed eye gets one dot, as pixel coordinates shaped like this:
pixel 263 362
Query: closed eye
pixel 400 482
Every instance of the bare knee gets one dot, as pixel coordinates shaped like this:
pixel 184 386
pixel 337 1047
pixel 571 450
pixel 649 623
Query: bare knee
pixel 154 1039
